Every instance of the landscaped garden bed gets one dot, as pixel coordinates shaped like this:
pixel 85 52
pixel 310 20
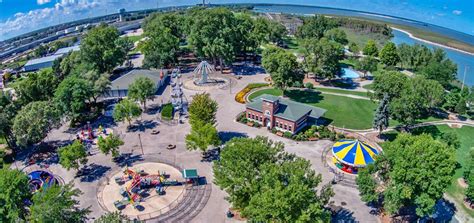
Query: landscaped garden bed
pixel 167 112
pixel 240 96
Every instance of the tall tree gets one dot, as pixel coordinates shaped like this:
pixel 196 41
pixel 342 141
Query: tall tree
pixel 315 27
pixel 389 82
pixel 33 122
pixel 110 144
pixel 72 94
pixel 414 170
pixel 389 55
pixel 38 86
pixel 15 190
pixel 283 68
pixel 142 89
pixel 103 48
pixel 444 72
pixel 202 136
pixel 73 155
pixel 382 115
pixel 164 33
pixel 367 64
pixel 371 49
pixel 57 204
pixel 337 35
pixel 322 57
pixel 113 217
pixel 202 109
pixel 354 48
pixel 126 109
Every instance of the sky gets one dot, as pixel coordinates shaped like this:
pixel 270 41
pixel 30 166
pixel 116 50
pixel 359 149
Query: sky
pixel 22 16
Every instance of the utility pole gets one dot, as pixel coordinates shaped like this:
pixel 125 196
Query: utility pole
pixel 141 146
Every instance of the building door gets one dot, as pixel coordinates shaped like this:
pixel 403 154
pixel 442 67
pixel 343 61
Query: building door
pixel 268 123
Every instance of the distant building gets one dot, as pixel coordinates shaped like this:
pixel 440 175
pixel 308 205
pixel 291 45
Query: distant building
pixel 119 86
pixel 67 50
pixel 48 61
pixel 282 114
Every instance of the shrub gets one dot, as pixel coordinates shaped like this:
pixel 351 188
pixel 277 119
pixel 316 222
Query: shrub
pixel 167 111
pixel 309 85
pixel 287 135
pixel 297 84
pixel 274 131
pixel 240 96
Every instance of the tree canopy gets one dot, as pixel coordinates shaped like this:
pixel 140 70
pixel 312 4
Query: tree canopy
pixel 315 27
pixel 282 66
pixel 141 89
pixel 14 187
pixel 73 155
pixel 337 35
pixel 202 109
pixel 126 109
pixel 414 170
pixel 33 122
pixel 57 204
pixel 202 136
pixel 113 217
pixel 322 57
pixel 110 144
pixel 371 49
pixel 38 86
pixel 103 48
pixel 389 55
pixel 72 94
pixel 268 184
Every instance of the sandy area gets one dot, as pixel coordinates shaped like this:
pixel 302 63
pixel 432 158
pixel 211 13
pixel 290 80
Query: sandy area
pixel 151 204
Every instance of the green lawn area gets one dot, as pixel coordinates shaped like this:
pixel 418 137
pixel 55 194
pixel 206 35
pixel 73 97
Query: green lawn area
pixel 135 38
pixel 341 91
pixel 369 86
pixel 294 45
pixel 341 111
pixel 361 38
pixel 465 136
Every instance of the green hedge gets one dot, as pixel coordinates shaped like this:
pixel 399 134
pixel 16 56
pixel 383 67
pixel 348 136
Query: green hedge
pixel 167 111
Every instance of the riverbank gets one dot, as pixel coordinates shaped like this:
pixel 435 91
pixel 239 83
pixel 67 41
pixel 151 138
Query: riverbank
pixel 432 43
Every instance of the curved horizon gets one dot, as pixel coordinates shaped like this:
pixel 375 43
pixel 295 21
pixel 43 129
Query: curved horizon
pixel 38 14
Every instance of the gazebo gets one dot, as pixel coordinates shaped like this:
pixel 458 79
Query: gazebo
pixel 349 155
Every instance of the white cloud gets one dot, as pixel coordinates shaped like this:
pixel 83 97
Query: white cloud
pixel 41 2
pixel 457 12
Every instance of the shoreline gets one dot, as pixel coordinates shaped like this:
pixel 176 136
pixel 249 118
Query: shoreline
pixel 430 42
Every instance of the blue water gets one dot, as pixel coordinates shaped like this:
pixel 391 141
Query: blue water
pixel 349 73
pixel 461 59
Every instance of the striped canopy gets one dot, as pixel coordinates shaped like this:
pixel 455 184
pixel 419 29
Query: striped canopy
pixel 354 153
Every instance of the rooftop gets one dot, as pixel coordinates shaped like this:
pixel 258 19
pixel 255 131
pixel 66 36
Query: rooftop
pixel 42 60
pixel 124 81
pixel 287 109
pixel 67 50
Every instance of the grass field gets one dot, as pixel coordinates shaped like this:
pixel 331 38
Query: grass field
pixel 361 38
pixel 369 86
pixel 135 38
pixel 465 136
pixel 341 91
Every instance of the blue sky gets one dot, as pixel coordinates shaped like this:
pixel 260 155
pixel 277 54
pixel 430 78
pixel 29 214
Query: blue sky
pixel 21 16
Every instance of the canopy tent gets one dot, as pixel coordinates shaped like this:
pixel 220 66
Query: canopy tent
pixel 354 153
pixel 190 174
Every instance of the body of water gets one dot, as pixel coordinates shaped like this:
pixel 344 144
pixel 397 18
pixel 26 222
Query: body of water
pixel 461 59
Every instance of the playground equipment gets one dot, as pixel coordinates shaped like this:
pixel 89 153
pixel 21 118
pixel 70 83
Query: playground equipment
pixel 41 180
pixel 88 135
pixel 178 100
pixel 140 183
pixel 202 72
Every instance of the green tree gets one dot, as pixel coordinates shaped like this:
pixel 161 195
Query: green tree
pixel 202 136
pixel 444 72
pixel 33 122
pixel 283 68
pixel 470 189
pixel 103 48
pixel 367 185
pixel 389 55
pixel 421 169
pixel 164 33
pixel 354 48
pixel 38 86
pixel 57 204
pixel 126 110
pixel 72 94
pixel 113 217
pixel 73 155
pixel 405 53
pixel 315 27
pixel 367 64
pixel 337 35
pixel 322 57
pixel 451 139
pixel 389 82
pixel 202 109
pixel 142 89
pixel 371 49
pixel 110 144
pixel 15 190
pixel 276 31
pixel 382 115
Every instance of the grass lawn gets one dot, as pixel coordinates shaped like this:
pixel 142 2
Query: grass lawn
pixel 135 38
pixel 294 45
pixel 369 86
pixel 341 91
pixel 361 38
pixel 465 136
pixel 341 111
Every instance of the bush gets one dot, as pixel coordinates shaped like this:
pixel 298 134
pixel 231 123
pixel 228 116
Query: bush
pixel 240 96
pixel 274 130
pixel 287 135
pixel 297 84
pixel 167 111
pixel 309 85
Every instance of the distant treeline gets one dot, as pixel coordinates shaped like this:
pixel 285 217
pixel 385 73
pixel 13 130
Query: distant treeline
pixel 365 26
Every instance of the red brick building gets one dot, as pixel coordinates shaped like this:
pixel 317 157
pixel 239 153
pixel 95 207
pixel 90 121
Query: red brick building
pixel 282 114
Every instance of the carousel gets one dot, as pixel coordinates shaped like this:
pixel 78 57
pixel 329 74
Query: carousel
pixel 350 155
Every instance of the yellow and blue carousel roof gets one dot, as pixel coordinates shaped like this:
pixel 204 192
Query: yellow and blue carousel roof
pixel 354 153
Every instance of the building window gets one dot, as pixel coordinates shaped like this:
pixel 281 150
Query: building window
pixel 261 119
pixel 285 127
pixel 249 115
pixel 267 113
pixel 289 128
pixel 281 125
